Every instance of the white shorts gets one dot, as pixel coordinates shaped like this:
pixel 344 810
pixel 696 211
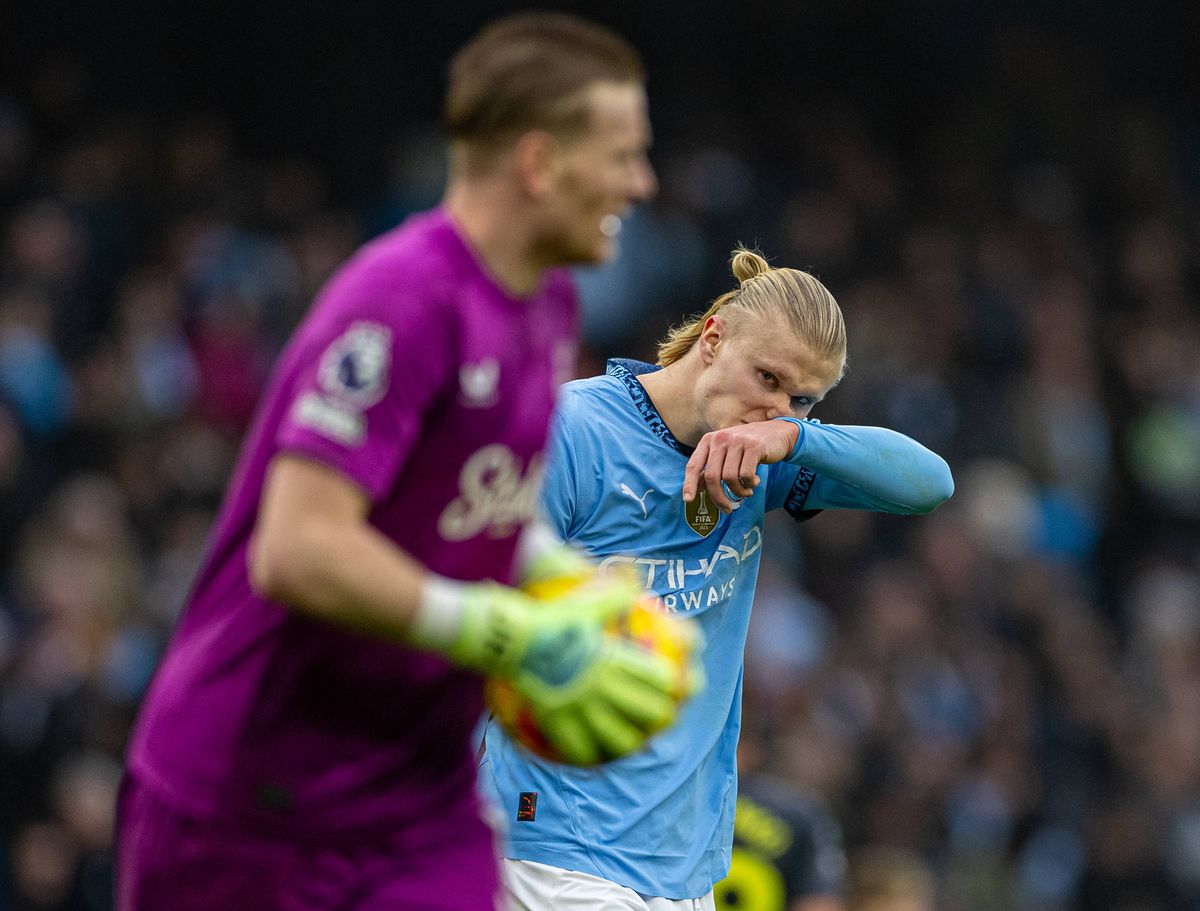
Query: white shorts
pixel 530 886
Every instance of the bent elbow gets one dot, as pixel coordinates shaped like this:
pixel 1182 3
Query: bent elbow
pixel 261 572
pixel 271 573
pixel 939 488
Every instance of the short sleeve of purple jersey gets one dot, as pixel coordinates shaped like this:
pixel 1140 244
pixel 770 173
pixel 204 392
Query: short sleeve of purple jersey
pixel 363 381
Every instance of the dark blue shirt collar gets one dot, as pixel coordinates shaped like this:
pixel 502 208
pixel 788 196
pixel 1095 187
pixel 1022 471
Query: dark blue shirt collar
pixel 627 371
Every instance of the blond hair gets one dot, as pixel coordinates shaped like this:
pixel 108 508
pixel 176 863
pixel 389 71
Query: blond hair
pixel 526 72
pixel 805 303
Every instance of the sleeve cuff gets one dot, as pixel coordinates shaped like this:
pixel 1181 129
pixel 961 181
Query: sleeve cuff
pixel 795 453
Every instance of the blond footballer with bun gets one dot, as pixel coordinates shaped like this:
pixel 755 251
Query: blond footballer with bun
pixel 669 471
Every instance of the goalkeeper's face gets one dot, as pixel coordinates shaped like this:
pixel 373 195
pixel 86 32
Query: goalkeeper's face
pixel 757 369
pixel 591 181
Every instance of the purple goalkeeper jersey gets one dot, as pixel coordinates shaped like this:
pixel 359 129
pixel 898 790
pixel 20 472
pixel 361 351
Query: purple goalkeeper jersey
pixel 420 379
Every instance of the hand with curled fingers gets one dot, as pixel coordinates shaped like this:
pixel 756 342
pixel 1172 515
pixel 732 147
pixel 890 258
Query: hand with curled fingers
pixel 726 461
pixel 565 681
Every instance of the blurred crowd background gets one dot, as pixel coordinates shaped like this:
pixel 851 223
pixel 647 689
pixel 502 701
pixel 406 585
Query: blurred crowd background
pixel 1005 199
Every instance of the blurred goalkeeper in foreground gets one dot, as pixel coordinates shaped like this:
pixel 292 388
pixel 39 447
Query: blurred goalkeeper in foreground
pixel 306 741
pixel 670 471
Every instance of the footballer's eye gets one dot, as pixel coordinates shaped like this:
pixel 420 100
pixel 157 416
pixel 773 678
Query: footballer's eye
pixel 769 378
pixel 801 401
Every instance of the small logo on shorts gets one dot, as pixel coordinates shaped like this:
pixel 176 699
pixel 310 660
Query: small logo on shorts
pixel 527 806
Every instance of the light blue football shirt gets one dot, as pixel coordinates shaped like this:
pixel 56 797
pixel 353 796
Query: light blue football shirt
pixel 660 821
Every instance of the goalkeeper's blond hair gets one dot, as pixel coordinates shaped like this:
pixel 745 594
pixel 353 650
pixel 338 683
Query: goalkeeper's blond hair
pixel 805 304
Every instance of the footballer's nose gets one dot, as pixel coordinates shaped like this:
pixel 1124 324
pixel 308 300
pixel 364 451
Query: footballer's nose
pixel 643 185
pixel 764 413
pixel 776 409
pixel 779 406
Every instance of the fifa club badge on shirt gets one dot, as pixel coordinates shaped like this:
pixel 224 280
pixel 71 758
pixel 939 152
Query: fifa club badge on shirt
pixel 527 806
pixel 701 513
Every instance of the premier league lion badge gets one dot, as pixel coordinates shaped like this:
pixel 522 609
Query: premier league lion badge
pixel 354 368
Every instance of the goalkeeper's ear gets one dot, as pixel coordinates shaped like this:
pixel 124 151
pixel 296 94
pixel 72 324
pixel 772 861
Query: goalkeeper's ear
pixel 547 565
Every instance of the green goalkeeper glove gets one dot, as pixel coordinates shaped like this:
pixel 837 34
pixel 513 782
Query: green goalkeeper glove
pixel 549 566
pixel 595 695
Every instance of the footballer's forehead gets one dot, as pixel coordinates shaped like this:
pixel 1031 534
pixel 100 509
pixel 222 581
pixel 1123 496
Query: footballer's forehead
pixel 768 342
pixel 616 111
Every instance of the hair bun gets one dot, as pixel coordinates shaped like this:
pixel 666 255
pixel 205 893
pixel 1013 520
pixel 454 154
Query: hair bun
pixel 747 264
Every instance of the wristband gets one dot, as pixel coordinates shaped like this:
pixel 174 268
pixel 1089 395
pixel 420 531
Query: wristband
pixel 439 616
pixel 536 540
